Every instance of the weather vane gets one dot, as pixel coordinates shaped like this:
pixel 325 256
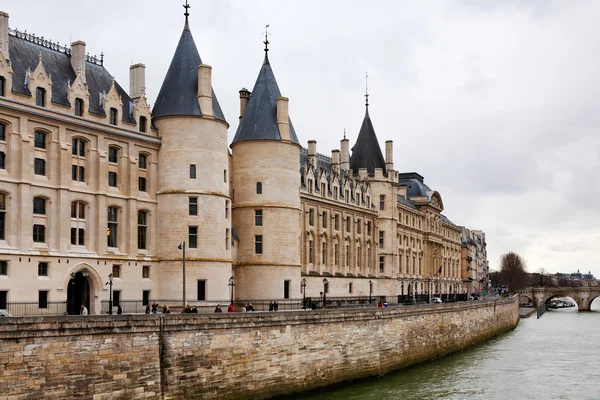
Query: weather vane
pixel 367 88
pixel 187 9
pixel 266 42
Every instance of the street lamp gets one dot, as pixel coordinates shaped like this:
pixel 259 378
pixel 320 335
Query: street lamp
pixel 303 286
pixel 370 290
pixel 232 284
pixel 110 299
pixel 324 292
pixel 182 247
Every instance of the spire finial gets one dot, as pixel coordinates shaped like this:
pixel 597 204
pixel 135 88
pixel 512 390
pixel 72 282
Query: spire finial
pixel 344 133
pixel 367 89
pixel 266 42
pixel 187 10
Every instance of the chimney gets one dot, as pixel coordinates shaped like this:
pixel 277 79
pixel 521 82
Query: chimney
pixel 137 81
pixel 205 90
pixel 312 152
pixel 345 146
pixel 389 155
pixel 244 99
pixel 283 120
pixel 4 34
pixel 78 58
pixel 335 158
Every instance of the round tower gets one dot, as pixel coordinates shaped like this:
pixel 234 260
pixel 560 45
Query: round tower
pixel 193 185
pixel 266 179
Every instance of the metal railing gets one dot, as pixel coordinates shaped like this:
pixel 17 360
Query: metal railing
pixel 32 308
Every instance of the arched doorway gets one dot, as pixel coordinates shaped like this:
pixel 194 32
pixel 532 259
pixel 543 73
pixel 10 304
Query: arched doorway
pixel 78 292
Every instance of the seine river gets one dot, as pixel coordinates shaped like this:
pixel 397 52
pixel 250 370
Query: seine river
pixel 554 357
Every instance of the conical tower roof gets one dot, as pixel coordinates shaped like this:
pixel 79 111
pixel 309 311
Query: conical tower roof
pixel 366 152
pixel 179 92
pixel 259 121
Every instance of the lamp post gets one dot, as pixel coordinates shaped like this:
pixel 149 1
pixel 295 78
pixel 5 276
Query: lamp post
pixel 303 286
pixel 370 290
pixel 324 292
pixel 182 247
pixel 110 300
pixel 85 274
pixel 232 284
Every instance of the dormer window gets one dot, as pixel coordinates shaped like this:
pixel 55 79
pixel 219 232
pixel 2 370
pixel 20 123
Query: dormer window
pixel 79 107
pixel 113 116
pixel 40 97
pixel 2 85
pixel 143 123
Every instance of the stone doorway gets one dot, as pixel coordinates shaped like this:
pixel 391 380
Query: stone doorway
pixel 78 293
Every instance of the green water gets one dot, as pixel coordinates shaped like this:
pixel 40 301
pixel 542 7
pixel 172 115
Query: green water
pixel 554 357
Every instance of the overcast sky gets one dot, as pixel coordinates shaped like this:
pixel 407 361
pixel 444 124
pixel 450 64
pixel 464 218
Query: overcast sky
pixel 496 105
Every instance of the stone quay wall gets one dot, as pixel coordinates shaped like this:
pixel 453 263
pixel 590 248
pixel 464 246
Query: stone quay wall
pixel 231 356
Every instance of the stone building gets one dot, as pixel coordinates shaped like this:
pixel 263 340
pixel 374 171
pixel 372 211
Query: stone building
pixel 93 182
pixel 475 272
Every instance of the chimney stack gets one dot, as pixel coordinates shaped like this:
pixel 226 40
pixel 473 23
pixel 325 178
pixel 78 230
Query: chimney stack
pixel 205 90
pixel 345 148
pixel 283 120
pixel 312 152
pixel 137 81
pixel 4 34
pixel 244 99
pixel 78 58
pixel 389 155
pixel 335 158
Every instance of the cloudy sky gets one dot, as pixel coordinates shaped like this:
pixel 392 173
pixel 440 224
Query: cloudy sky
pixel 495 104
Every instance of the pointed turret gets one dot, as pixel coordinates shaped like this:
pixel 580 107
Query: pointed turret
pixel 259 121
pixel 179 92
pixel 366 153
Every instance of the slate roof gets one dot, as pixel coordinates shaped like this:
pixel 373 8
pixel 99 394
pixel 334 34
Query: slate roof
pixel 415 187
pixel 259 121
pixel 24 55
pixel 366 153
pixel 445 220
pixel 405 201
pixel 179 92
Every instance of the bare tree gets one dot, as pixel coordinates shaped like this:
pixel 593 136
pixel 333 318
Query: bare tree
pixel 541 278
pixel 513 272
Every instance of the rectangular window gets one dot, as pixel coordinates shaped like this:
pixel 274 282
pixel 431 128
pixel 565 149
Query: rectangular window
pixel 381 263
pixel 3 299
pixel 311 217
pixel 113 155
pixel 192 171
pixel 143 123
pixel 146 272
pixel 142 229
pixel 347 255
pixel 335 254
pixel 142 162
pixel 43 299
pixel 258 244
pixel 2 84
pixel 40 140
pixel 226 209
pixel 116 298
pixel 350 287
pixel 382 202
pixel 3 268
pixel 193 206
pixel 145 297
pixel 227 240
pixel 78 107
pixel 225 175
pixel 286 289
pixel 39 206
pixel 2 132
pixel 359 227
pixel 311 252
pixel 112 227
pixel 39 233
pixel 2 160
pixel 193 237
pixel 39 166
pixel 258 217
pixel 337 221
pixel 112 179
pixel 381 236
pixel 116 271
pixel 43 269
pixel 77 237
pixel 201 291
pixel 258 187
pixel 74 172
pixel 369 228
pixel 40 97
pixel 142 184
pixel 324 253
pixel 113 116
pixel 348 224
pixel 324 219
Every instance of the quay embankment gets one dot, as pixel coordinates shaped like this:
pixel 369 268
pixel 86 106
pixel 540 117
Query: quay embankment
pixel 232 356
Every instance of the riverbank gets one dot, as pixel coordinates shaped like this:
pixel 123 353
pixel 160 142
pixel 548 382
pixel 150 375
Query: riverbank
pixel 526 312
pixel 233 356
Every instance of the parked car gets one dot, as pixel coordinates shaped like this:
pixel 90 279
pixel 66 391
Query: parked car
pixel 436 300
pixel 4 314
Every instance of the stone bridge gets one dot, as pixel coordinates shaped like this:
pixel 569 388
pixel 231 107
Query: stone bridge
pixel 583 295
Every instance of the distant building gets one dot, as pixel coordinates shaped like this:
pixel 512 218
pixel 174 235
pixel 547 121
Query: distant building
pixel 474 263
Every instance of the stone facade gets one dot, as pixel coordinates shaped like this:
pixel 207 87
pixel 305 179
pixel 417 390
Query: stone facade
pixel 142 186
pixel 475 267
pixel 232 356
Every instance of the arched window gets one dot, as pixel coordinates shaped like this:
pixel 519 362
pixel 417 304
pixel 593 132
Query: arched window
pixel 258 187
pixel 112 229
pixel 79 107
pixel 39 140
pixel 39 205
pixel 113 114
pixel 78 162
pixel 113 154
pixel 3 218
pixel 143 123
pixel 78 223
pixel 40 97
pixel 142 229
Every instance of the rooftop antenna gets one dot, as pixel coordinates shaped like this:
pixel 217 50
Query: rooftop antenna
pixel 367 89
pixel 187 10
pixel 266 42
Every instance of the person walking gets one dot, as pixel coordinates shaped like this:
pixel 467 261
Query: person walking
pixel 218 308
pixel 119 310
pixel 270 306
pixel 84 310
pixel 230 308
pixel 154 307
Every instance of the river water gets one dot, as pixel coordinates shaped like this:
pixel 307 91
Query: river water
pixel 554 357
